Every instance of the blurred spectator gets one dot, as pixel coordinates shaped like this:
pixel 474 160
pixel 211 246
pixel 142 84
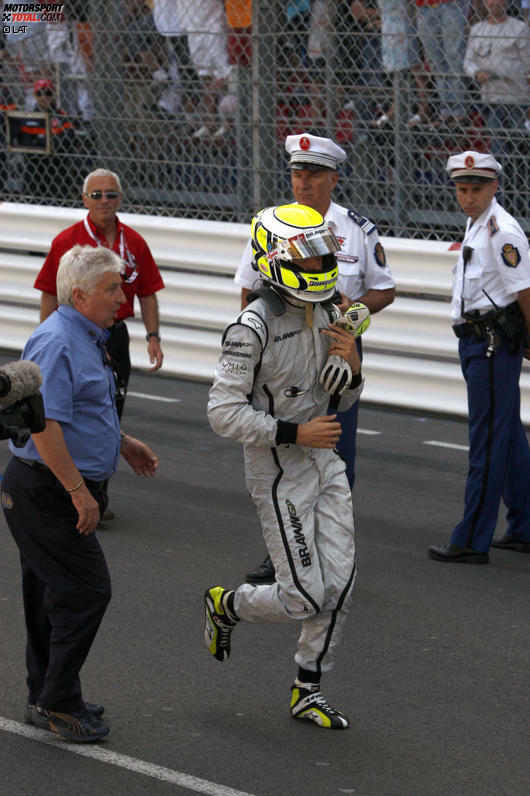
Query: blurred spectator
pixel 49 176
pixel 207 29
pixel 6 104
pixel 318 47
pixel 359 52
pixel 498 58
pixel 442 26
pixel 401 51
pixel 170 21
pixel 24 58
pixel 141 41
pixel 292 42
pixel 347 45
pixel 239 19
pixel 145 57
pixel 71 48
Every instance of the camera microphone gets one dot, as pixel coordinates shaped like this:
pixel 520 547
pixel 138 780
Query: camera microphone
pixel 18 380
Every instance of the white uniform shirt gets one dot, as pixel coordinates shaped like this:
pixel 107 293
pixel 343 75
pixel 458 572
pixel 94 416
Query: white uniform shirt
pixel 499 263
pixel 361 259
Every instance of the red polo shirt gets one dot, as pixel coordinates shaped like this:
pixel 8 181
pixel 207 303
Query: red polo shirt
pixel 140 275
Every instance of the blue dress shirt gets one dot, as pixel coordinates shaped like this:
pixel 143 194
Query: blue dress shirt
pixel 78 389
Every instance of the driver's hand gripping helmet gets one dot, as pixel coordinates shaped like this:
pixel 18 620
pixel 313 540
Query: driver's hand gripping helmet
pixel 280 236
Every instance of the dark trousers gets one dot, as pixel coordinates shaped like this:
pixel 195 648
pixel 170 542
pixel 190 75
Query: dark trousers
pixel 346 445
pixel 118 348
pixel 499 456
pixel 65 583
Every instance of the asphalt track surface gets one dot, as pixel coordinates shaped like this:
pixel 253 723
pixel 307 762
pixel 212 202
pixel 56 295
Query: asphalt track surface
pixel 433 667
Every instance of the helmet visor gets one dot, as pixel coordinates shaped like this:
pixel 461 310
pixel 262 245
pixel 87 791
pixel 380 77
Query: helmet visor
pixel 313 243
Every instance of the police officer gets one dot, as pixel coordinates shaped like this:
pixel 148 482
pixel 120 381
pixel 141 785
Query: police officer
pixel 491 314
pixel 364 274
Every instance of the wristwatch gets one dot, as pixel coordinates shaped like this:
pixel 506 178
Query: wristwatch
pixel 152 334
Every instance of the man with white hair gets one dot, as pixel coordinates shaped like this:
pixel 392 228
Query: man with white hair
pixel 53 491
pixel 102 196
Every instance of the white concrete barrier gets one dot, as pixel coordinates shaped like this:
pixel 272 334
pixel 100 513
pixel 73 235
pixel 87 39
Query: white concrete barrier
pixel 410 351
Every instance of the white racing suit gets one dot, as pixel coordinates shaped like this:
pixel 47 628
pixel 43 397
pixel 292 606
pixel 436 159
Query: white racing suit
pixel 266 382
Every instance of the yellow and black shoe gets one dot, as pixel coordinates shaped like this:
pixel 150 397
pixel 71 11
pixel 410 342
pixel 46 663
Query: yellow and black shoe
pixel 310 705
pixel 79 727
pixel 218 625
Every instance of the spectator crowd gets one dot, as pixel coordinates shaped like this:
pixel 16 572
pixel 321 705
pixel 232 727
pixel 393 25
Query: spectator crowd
pixel 453 74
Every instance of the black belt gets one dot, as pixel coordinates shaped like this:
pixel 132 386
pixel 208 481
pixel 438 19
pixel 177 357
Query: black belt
pixel 463 329
pixel 478 327
pixel 36 465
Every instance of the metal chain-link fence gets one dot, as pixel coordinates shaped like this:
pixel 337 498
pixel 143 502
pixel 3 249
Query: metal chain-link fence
pixel 189 101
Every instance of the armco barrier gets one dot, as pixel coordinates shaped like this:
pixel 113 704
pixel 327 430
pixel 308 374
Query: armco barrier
pixel 410 351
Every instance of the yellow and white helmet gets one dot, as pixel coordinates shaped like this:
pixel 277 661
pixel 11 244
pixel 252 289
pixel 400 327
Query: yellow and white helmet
pixel 282 235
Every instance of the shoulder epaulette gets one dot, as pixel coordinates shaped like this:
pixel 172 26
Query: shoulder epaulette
pixel 493 227
pixel 364 223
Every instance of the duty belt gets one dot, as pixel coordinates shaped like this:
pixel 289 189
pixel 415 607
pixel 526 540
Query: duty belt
pixel 507 320
pixel 478 329
pixel 481 327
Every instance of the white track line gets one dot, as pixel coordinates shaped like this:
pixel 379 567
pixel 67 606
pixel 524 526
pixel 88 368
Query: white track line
pixel 446 445
pixel 368 432
pixel 153 397
pixel 97 752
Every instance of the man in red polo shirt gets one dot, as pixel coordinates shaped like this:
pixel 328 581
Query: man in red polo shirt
pixel 102 196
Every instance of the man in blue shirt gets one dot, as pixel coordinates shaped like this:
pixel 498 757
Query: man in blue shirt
pixel 53 486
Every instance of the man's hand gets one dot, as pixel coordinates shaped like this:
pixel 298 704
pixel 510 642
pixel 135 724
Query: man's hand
pixel 481 76
pixel 87 508
pixel 343 343
pixel 336 375
pixel 140 456
pixel 345 303
pixel 320 432
pixel 155 354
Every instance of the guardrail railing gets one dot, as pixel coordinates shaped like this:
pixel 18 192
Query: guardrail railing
pixel 410 351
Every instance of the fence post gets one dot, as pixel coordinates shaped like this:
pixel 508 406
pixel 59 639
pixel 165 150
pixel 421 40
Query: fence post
pixel 399 94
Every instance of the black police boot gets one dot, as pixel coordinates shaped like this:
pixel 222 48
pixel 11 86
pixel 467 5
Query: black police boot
pixel 510 543
pixel 452 552
pixel 263 574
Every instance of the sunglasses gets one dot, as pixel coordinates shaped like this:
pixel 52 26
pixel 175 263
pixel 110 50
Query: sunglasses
pixel 46 93
pixel 97 195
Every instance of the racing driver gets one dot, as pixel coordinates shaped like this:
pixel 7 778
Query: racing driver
pixel 281 359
